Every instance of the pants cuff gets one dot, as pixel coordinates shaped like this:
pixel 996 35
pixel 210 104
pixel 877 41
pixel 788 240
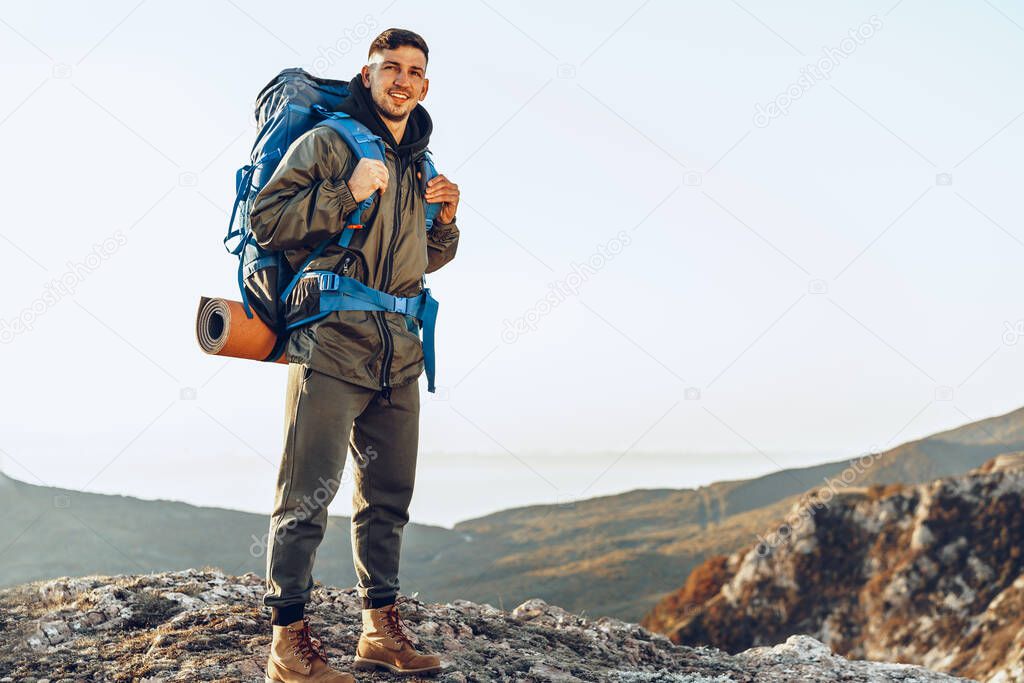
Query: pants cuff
pixel 282 616
pixel 374 603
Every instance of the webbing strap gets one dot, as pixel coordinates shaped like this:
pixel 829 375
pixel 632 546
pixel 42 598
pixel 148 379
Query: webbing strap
pixel 429 171
pixel 339 293
pixel 243 181
pixel 363 144
pixel 243 187
pixel 259 264
pixel 366 145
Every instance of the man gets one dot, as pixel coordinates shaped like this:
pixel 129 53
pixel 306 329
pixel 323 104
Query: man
pixel 352 378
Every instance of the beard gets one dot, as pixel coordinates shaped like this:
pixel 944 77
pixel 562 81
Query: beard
pixel 388 110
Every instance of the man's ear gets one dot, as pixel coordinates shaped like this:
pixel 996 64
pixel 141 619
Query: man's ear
pixel 426 86
pixel 365 73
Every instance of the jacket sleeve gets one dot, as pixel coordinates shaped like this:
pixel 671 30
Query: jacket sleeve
pixel 442 242
pixel 306 199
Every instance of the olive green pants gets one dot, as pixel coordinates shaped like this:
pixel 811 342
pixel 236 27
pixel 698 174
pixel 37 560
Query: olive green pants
pixel 324 416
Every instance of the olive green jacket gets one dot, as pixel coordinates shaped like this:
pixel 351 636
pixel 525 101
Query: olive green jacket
pixel 305 201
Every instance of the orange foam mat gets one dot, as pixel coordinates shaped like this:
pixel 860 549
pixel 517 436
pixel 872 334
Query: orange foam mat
pixel 223 329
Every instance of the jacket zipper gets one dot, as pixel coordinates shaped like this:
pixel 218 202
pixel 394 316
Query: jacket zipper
pixel 385 335
pixel 346 263
pixel 385 367
pixel 390 260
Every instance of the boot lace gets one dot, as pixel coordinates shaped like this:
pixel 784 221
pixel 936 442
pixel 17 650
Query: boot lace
pixel 394 626
pixel 307 645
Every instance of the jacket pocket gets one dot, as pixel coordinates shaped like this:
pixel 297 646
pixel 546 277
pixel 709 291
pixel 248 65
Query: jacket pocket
pixel 304 301
pixel 345 262
pixel 408 350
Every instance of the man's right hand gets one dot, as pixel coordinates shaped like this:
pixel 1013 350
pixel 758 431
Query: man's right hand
pixel 369 176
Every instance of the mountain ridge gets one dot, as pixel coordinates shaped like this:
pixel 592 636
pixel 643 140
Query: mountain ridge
pixel 579 555
pixel 930 574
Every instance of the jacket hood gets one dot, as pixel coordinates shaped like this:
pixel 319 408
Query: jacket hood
pixel 359 105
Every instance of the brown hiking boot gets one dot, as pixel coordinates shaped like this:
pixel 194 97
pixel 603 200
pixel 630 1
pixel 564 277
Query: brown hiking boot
pixel 384 644
pixel 298 656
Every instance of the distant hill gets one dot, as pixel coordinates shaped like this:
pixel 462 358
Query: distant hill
pixel 931 574
pixel 50 532
pixel 614 555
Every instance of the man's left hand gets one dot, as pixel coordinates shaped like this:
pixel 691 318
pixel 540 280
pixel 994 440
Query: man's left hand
pixel 440 189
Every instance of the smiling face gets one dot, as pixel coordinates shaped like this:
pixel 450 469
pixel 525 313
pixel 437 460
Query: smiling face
pixel 397 81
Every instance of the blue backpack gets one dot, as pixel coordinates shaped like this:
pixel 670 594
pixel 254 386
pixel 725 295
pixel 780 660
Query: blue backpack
pixel 290 105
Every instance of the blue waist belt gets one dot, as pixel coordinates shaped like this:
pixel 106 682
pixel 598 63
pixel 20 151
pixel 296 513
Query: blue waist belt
pixel 339 293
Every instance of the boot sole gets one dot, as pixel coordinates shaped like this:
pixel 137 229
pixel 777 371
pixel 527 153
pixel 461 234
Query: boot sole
pixel 363 664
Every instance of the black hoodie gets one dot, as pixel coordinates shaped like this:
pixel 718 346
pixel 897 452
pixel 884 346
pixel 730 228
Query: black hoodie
pixel 360 106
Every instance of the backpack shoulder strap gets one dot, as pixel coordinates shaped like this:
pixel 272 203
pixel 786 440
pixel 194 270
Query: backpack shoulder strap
pixel 364 145
pixel 428 170
pixel 360 139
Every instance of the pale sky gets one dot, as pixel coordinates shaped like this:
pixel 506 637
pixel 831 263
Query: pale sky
pixel 786 287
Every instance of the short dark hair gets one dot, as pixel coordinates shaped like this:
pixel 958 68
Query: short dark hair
pixel 396 37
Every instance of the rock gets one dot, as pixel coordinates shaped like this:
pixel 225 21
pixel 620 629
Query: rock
pixel 546 672
pixel 931 574
pixel 204 625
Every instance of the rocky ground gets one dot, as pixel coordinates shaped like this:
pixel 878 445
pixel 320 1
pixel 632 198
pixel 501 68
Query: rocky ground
pixel 203 625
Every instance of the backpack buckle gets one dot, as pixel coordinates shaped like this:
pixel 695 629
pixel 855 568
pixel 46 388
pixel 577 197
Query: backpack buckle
pixel 328 282
pixel 401 305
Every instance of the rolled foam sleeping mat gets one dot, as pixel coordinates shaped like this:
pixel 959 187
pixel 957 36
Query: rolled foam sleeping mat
pixel 223 329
